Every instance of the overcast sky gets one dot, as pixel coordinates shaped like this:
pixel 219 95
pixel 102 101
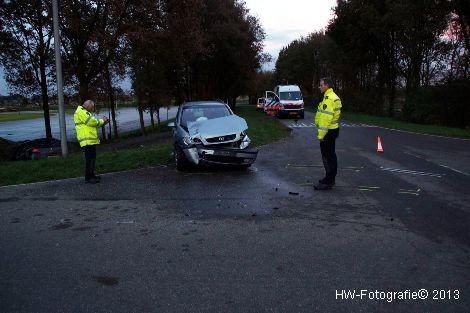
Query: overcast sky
pixel 287 20
pixel 282 20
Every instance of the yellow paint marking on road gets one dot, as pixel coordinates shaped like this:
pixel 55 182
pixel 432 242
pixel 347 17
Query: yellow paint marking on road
pixel 300 165
pixel 408 193
pixel 411 190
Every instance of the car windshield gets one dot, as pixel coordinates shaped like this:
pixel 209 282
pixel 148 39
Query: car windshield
pixel 290 95
pixel 203 112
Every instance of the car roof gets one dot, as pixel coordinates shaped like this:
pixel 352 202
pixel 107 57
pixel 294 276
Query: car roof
pixel 197 103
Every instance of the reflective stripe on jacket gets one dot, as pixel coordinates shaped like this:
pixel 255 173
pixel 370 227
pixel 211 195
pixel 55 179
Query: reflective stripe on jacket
pixel 86 126
pixel 328 113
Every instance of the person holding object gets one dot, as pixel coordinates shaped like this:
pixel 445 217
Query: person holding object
pixel 327 121
pixel 86 126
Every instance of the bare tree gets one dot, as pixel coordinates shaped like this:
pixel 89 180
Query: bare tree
pixel 26 52
pixel 92 32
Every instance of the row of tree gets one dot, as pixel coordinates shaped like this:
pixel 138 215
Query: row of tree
pixel 406 58
pixel 171 49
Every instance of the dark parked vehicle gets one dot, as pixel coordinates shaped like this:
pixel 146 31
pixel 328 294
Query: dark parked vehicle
pixel 38 149
pixel 209 133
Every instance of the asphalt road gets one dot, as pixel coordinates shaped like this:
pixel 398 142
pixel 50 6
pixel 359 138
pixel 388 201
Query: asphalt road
pixel 261 240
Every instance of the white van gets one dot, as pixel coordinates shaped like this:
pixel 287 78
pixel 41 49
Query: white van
pixel 292 103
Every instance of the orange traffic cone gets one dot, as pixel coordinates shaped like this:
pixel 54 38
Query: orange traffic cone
pixel 379 145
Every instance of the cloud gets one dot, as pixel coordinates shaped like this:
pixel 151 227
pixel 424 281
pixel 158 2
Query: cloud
pixel 284 21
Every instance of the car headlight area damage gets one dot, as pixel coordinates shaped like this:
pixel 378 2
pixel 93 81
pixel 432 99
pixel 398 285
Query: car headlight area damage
pixel 208 133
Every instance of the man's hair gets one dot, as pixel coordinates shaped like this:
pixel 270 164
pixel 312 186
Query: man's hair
pixel 327 81
pixel 88 102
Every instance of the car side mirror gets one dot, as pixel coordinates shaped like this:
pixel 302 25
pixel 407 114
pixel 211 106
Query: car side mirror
pixel 172 124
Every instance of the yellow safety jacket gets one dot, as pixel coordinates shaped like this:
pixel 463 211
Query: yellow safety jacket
pixel 328 113
pixel 86 126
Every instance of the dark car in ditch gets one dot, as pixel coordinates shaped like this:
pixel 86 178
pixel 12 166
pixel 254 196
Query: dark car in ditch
pixel 209 133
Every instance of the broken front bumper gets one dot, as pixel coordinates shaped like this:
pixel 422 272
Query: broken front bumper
pixel 220 155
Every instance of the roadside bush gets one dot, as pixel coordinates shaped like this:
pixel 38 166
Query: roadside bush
pixel 446 104
pixel 7 149
pixel 362 100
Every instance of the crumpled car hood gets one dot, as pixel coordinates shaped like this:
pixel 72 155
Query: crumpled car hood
pixel 221 126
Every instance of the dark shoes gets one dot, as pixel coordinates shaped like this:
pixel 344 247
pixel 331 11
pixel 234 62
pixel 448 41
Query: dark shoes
pixel 92 180
pixel 322 185
pixel 322 181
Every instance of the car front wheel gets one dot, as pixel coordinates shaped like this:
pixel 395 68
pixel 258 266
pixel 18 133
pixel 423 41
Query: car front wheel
pixel 180 159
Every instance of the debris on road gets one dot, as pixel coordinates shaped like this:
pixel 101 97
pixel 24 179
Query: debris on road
pixel 64 223
pixel 106 280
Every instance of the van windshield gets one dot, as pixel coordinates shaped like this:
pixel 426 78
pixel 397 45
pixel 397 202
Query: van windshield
pixel 290 95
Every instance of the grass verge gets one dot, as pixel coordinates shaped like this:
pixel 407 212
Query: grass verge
pixel 16 116
pixel 16 172
pixel 402 125
pixel 262 130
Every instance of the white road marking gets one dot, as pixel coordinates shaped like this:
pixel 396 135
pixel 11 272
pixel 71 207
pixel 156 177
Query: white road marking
pixel 416 173
pixel 442 165
pixel 453 169
pixel 403 171
pixel 409 132
pixel 312 125
pixel 398 130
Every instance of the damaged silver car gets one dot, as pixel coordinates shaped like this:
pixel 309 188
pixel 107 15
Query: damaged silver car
pixel 209 133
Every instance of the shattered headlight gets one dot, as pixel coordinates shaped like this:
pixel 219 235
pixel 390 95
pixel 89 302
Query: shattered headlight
pixel 245 141
pixel 188 141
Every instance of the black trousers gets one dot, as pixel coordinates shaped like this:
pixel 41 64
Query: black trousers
pixel 328 153
pixel 90 160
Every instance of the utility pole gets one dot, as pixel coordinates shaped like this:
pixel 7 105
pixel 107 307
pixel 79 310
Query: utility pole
pixel 60 83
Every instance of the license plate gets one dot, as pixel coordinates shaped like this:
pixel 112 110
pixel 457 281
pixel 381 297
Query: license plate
pixel 293 113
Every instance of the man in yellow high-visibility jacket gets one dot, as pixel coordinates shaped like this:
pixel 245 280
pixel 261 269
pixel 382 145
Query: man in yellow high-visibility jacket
pixel 86 126
pixel 327 121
